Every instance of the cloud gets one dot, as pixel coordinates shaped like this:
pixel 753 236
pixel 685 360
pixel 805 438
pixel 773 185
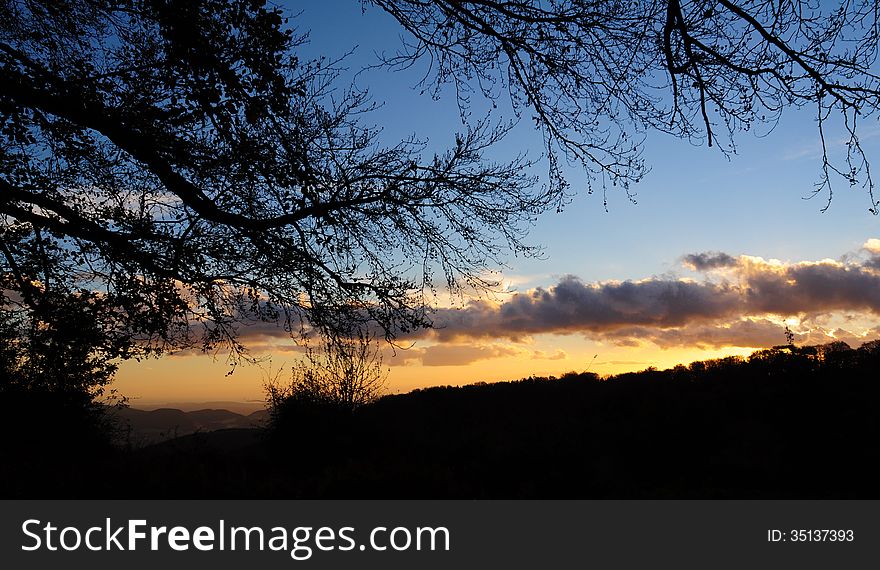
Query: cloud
pixel 746 333
pixel 273 348
pixel 744 306
pixel 463 354
pixel 709 260
pixel 572 306
pixel 810 288
pixel 542 355
pixel 872 245
pixel 459 355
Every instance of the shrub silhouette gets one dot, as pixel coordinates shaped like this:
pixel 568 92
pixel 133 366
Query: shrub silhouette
pixel 311 416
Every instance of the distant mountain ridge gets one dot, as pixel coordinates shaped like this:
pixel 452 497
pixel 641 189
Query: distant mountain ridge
pixel 239 407
pixel 144 427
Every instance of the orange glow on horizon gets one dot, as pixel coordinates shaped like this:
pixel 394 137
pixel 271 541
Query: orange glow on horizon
pixel 203 378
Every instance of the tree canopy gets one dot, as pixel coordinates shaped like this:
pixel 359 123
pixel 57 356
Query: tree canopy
pixel 174 170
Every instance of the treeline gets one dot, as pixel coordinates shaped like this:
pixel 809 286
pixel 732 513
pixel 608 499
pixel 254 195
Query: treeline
pixel 784 422
pixel 787 422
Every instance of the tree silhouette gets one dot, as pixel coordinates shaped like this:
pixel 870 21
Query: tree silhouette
pixel 345 373
pixel 173 169
pixel 50 376
pixel 179 161
pixel 594 76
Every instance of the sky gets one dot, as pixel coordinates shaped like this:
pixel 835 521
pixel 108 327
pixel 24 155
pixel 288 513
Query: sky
pixel 715 257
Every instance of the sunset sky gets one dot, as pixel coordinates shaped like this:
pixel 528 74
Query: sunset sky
pixel 714 258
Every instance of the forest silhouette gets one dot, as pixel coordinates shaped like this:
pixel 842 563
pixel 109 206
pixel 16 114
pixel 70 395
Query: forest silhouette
pixel 787 422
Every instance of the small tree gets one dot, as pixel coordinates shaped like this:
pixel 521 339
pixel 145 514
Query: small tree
pixel 311 415
pixel 345 374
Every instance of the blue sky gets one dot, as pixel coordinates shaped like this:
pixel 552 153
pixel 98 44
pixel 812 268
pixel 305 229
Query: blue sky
pixel 694 200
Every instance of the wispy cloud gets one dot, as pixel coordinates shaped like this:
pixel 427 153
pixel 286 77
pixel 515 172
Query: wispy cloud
pixel 463 354
pixel 813 150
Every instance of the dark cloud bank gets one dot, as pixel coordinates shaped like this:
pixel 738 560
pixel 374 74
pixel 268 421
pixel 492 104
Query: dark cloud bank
pixel 736 301
pixel 730 306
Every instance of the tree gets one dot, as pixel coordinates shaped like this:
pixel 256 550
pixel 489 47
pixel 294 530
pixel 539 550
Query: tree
pixel 174 170
pixel 344 374
pixel 50 377
pixel 62 354
pixel 314 410
pixel 178 165
pixel 595 75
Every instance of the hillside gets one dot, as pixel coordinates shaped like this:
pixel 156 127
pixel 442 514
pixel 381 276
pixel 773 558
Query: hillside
pixel 783 423
pixel 142 427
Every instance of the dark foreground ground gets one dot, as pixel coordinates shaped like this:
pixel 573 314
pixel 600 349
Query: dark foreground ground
pixel 781 424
